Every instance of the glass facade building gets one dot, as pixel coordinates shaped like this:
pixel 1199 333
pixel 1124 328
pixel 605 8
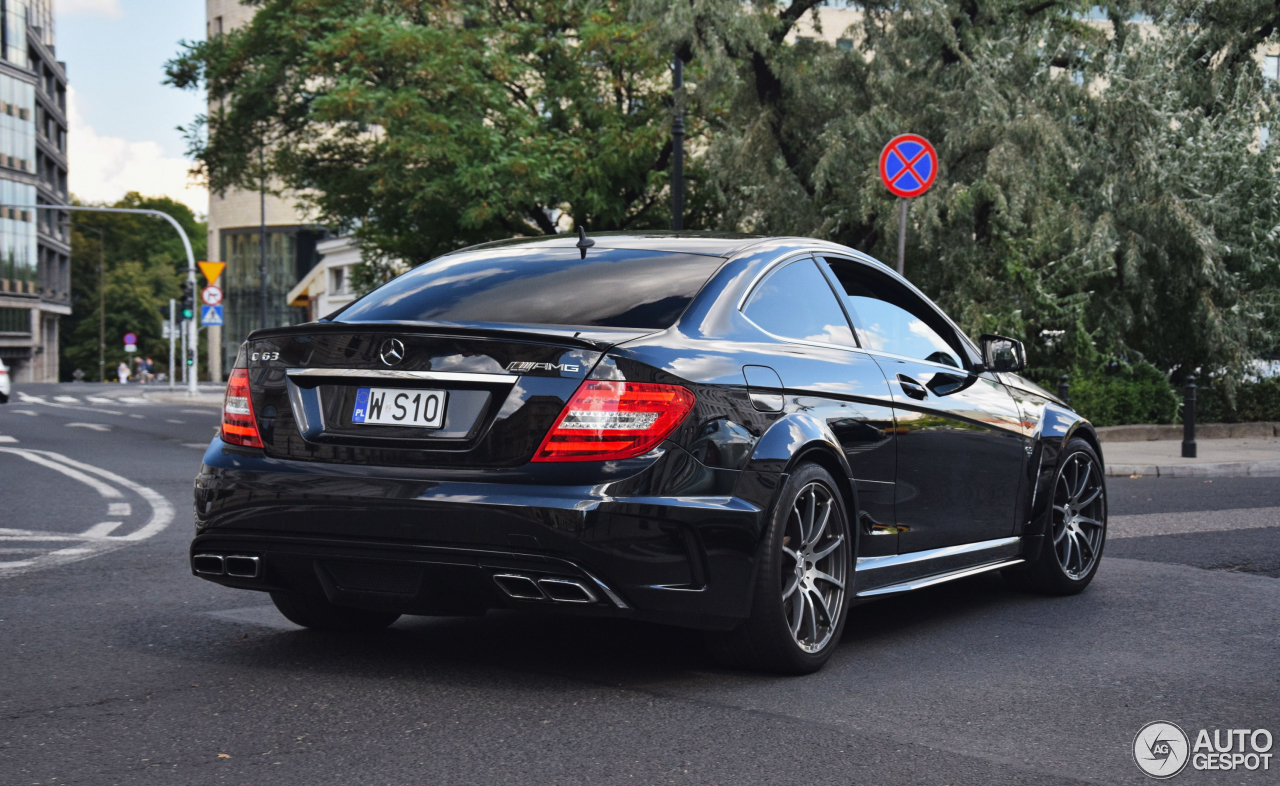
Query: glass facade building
pixel 35 251
pixel 291 253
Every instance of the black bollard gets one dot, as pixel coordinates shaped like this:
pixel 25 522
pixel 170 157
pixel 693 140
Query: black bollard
pixel 1064 390
pixel 1189 418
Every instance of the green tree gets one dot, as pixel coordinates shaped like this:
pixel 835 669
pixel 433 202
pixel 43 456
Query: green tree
pixel 145 264
pixel 1101 172
pixel 426 125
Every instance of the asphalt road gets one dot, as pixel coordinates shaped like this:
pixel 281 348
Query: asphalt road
pixel 118 667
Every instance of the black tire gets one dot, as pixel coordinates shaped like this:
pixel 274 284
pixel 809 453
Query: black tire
pixel 766 640
pixel 4 398
pixel 1078 531
pixel 314 612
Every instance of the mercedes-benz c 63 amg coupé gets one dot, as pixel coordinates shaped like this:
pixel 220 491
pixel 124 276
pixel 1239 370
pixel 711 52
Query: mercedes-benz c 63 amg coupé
pixel 737 434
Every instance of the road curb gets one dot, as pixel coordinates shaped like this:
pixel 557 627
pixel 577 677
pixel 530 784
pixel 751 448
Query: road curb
pixel 1225 469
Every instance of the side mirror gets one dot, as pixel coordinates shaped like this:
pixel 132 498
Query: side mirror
pixel 1000 353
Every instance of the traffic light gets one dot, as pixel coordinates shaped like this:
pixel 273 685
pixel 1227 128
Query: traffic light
pixel 188 299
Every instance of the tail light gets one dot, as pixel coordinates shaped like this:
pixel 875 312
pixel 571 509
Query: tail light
pixel 614 420
pixel 239 426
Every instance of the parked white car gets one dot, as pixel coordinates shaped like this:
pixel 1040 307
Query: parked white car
pixel 4 383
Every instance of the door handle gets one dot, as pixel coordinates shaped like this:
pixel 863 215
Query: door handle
pixel 912 388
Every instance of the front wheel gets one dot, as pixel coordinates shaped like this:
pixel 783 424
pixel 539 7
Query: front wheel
pixel 801 592
pixel 1076 531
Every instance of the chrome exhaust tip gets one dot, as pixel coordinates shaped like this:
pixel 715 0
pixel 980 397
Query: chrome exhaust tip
pixel 242 566
pixel 519 587
pixel 567 590
pixel 208 564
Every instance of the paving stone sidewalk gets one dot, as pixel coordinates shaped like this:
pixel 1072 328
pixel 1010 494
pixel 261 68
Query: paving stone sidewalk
pixel 1240 457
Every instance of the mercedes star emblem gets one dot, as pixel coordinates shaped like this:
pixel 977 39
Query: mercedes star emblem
pixel 392 351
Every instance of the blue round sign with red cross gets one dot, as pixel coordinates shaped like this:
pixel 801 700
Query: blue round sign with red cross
pixel 908 165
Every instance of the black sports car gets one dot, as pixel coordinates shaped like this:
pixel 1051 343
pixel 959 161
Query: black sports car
pixel 739 434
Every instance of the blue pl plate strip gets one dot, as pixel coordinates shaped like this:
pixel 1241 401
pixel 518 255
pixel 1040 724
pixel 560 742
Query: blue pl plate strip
pixel 359 414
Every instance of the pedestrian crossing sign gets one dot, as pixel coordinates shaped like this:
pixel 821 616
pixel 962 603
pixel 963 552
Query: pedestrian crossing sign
pixel 211 315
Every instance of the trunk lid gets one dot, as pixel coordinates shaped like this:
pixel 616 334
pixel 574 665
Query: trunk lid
pixel 502 389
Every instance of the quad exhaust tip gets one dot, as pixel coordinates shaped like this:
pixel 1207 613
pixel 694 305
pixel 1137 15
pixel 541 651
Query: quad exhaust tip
pixel 239 566
pixel 554 589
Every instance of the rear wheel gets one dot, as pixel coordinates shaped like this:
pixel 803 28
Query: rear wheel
pixel 801 591
pixel 315 612
pixel 1077 528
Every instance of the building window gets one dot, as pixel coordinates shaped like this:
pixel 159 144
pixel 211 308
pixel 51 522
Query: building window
pixel 1271 68
pixel 338 281
pixel 15 320
pixel 845 44
pixel 1264 136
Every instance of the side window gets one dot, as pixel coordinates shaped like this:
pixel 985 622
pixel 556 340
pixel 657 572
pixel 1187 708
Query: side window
pixel 795 301
pixel 890 318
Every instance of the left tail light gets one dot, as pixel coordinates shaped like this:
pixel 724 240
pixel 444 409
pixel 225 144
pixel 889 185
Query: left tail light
pixel 239 426
pixel 606 420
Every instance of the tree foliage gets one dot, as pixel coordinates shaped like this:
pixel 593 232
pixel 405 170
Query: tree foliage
pixel 1103 188
pixel 144 266
pixel 426 125
pixel 1101 176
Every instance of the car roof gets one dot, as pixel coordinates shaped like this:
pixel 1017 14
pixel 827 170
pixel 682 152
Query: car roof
pixel 718 244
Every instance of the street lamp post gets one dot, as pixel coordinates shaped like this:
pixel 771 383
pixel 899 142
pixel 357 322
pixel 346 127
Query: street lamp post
pixel 186 244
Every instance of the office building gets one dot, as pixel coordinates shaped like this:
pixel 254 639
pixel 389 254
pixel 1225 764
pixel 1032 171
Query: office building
pixel 35 245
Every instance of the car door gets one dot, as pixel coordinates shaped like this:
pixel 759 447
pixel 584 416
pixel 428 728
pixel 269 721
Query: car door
pixel 826 376
pixel 960 443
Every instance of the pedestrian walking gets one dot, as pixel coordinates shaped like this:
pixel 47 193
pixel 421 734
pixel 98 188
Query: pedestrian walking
pixel 123 371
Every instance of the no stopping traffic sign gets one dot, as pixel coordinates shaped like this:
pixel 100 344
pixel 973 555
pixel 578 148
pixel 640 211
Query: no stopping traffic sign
pixel 908 165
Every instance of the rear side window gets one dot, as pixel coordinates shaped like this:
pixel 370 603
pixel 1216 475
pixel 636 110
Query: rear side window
pixel 890 318
pixel 795 301
pixel 609 288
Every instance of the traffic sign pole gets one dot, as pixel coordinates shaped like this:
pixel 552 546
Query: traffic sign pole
pixel 908 167
pixel 173 314
pixel 902 238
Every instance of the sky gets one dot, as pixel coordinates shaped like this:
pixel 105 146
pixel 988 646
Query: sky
pixel 123 121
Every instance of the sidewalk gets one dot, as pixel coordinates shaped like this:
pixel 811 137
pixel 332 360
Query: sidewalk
pixel 1247 457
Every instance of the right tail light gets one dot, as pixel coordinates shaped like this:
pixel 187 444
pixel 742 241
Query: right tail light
pixel 607 420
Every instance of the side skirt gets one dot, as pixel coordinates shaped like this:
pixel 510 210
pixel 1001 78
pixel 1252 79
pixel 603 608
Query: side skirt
pixel 915 570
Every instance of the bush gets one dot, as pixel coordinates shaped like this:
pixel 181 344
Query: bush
pixel 1135 394
pixel 1254 401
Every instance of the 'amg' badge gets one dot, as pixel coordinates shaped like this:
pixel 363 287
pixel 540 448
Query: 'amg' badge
pixel 525 365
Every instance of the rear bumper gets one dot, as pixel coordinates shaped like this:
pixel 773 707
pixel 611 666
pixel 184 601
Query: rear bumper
pixel 667 539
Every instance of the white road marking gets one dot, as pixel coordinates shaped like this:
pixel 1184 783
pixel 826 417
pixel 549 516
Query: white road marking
pixel 133 400
pixel 24 412
pixel 97 540
pixel 110 492
pixel 139 417
pixel 90 426
pixel 119 509
pixel 209 411
pixel 101 530
pixel 171 420
pixel 200 445
pixel 99 400
pixel 28 399
pixel 7 438
pixel 1146 524
pixel 67 399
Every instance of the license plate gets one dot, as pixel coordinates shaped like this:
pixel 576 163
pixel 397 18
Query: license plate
pixel 399 407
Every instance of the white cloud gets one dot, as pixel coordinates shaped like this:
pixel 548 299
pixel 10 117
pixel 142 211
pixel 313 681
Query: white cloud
pixel 105 168
pixel 108 8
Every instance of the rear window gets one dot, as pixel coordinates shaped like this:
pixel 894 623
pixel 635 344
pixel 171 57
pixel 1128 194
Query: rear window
pixel 609 288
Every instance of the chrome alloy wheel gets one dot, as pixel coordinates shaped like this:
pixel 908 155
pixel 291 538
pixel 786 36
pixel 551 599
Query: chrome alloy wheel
pixel 813 580
pixel 1079 515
